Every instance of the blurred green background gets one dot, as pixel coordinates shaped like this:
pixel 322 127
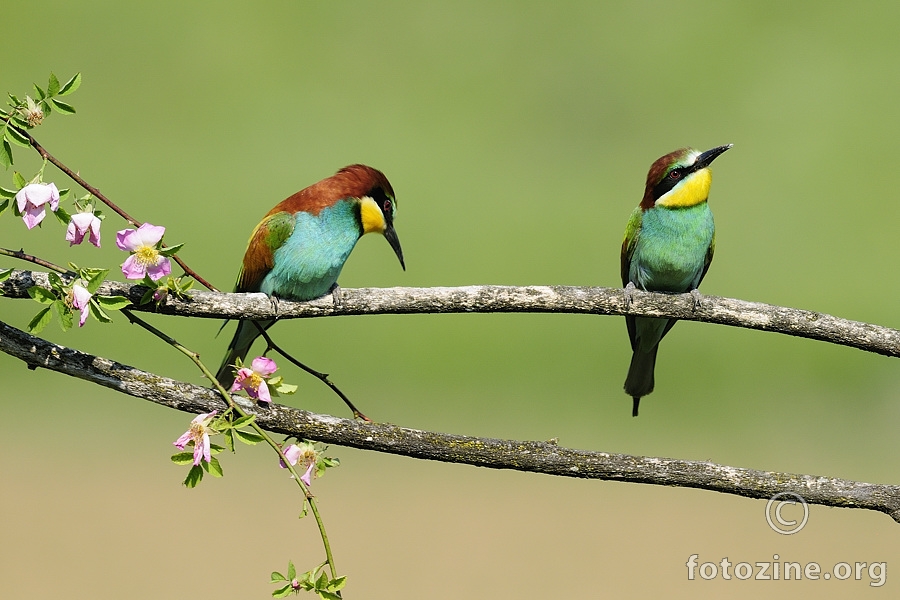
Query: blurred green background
pixel 517 136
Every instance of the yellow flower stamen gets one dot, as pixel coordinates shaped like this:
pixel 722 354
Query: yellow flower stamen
pixel 147 256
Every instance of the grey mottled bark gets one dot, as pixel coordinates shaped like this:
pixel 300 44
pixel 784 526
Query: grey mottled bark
pixel 505 299
pixel 539 457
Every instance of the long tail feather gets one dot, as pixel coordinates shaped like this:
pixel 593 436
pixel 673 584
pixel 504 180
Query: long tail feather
pixel 639 381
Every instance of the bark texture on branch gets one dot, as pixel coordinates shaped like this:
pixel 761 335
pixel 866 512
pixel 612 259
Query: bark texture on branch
pixel 537 457
pixel 509 299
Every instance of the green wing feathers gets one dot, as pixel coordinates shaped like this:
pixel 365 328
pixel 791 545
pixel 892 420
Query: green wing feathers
pixel 632 232
pixel 259 259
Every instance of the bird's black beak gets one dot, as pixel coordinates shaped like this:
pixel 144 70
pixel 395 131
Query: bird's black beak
pixel 706 158
pixel 391 236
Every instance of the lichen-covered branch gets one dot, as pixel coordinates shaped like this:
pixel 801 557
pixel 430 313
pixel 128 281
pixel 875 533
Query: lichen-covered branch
pixel 507 299
pixel 538 457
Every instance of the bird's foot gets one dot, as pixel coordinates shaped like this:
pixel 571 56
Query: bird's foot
pixel 274 301
pixel 337 297
pixel 629 294
pixel 698 298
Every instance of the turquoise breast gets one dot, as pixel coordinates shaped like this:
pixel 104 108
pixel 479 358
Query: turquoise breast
pixel 671 248
pixel 308 264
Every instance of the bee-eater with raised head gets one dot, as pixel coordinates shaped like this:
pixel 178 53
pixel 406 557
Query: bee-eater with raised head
pixel 301 245
pixel 669 243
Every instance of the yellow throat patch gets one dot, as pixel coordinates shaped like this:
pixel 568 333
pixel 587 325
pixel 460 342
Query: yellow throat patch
pixel 690 192
pixel 371 216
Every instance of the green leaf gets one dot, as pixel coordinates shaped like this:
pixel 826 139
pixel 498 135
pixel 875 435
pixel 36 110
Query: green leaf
pixel 5 273
pixel 113 302
pixel 282 592
pixel 148 296
pixel 243 421
pixel 55 281
pixel 5 193
pixel 98 313
pixel 71 85
pixel 63 216
pixel 39 92
pixel 292 570
pixel 229 439
pixel 327 595
pixel 171 250
pixel 42 295
pixel 66 109
pixel 6 158
pixel 276 577
pixel 53 85
pixel 183 458
pixel 286 389
pixel 215 468
pixel 66 317
pixel 15 136
pixel 194 477
pixel 335 585
pixel 19 180
pixel 216 449
pixel 4 205
pixel 321 581
pixel 95 278
pixel 40 320
pixel 251 439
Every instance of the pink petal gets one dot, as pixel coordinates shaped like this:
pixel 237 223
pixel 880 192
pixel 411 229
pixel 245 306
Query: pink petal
pixel 33 215
pixel 73 236
pixel 204 416
pixel 181 442
pixel 292 454
pixel 262 394
pixel 132 269
pixel 198 454
pixel 95 232
pixel 126 240
pixel 160 270
pixel 264 366
pixel 84 316
pixel 207 456
pixel 80 296
pixel 38 194
pixel 149 235
pixel 242 375
pixel 54 197
pixel 307 477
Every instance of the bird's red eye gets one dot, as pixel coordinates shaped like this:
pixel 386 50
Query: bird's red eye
pixel 674 174
pixel 387 206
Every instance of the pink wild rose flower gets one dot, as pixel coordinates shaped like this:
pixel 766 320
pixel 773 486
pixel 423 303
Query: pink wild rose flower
pixel 32 200
pixel 81 300
pixel 145 258
pixel 198 433
pixel 83 224
pixel 253 380
pixel 303 453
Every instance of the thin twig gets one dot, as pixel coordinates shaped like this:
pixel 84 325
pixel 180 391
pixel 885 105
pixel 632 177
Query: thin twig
pixel 224 394
pixel 100 196
pixel 323 377
pixel 538 457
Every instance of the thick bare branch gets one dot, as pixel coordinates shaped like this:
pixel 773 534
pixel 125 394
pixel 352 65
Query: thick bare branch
pixel 506 299
pixel 538 457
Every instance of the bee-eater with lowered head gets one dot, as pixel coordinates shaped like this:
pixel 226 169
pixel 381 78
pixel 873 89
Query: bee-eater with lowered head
pixel 301 245
pixel 669 243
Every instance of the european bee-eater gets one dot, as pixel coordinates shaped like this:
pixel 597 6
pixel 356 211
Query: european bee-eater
pixel 669 243
pixel 301 245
